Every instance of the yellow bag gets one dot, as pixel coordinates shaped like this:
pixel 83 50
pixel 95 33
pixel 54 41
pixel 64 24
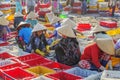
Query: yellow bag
pixel 10 17
pixel 115 61
pixel 40 52
pixel 55 42
pixel 48 48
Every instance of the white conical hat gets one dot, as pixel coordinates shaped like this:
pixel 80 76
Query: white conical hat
pixel 106 44
pixel 67 31
pixel 38 27
pixel 68 22
pixel 18 14
pixel 23 23
pixel 3 21
pixel 32 15
pixel 1 13
pixel 50 16
pixel 98 29
pixel 55 19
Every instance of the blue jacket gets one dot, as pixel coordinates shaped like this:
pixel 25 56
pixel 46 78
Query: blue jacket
pixel 25 33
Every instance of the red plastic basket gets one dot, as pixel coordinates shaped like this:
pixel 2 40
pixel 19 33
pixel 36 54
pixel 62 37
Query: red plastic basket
pixel 17 74
pixel 5 55
pixel 4 44
pixel 24 66
pixel 29 57
pixel 47 5
pixel 42 13
pixel 63 76
pixel 37 62
pixel 55 65
pixel 83 27
pixel 13 33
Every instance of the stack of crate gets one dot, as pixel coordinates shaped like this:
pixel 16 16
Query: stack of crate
pixel 76 7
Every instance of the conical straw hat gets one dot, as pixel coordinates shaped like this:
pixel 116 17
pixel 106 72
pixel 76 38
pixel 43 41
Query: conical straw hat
pixel 106 45
pixel 3 21
pixel 32 15
pixel 1 13
pixel 38 27
pixel 18 14
pixel 50 16
pixel 67 31
pixel 98 29
pixel 23 24
pixel 68 22
pixel 55 19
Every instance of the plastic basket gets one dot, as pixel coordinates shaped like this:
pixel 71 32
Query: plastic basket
pixel 47 5
pixel 28 57
pixel 37 62
pixel 110 75
pixel 24 66
pixel 5 55
pixel 63 76
pixel 17 74
pixel 80 72
pixel 57 66
pixel 4 43
pixel 83 27
pixel 40 70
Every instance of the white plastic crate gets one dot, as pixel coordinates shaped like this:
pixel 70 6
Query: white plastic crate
pixel 42 78
pixel 110 75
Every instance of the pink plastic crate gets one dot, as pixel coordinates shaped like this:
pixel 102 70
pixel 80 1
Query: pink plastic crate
pixel 17 74
pixel 57 66
pixel 5 55
pixel 37 62
pixel 64 76
pixel 28 57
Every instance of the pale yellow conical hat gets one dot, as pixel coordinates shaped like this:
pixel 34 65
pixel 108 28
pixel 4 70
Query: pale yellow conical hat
pixel 50 16
pixel 1 13
pixel 18 14
pixel 68 22
pixel 3 21
pixel 32 15
pixel 23 24
pixel 98 29
pixel 67 31
pixel 106 45
pixel 55 19
pixel 38 27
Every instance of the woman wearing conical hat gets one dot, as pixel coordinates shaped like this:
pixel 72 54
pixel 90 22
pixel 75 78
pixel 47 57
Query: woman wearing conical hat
pixel 55 21
pixel 24 33
pixel 4 29
pixel 38 40
pixel 97 54
pixel 99 31
pixel 67 49
pixel 31 19
pixel 18 17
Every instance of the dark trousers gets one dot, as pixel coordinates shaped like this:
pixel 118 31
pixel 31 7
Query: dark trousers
pixel 113 11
